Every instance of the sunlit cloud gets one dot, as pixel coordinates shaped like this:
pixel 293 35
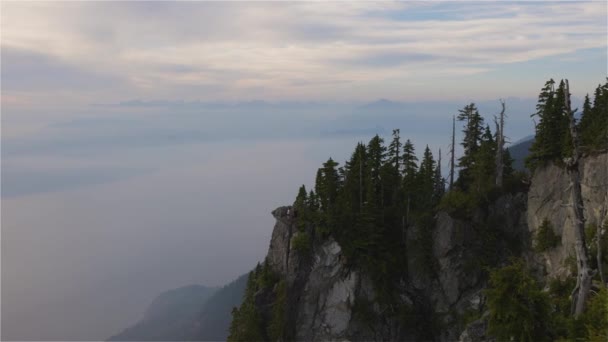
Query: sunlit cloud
pixel 275 50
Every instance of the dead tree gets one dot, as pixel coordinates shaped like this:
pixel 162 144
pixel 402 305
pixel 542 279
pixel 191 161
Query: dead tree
pixel 500 142
pixel 601 230
pixel 585 273
pixel 452 152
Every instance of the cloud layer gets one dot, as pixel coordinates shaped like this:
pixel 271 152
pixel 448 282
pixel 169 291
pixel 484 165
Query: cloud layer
pixel 335 50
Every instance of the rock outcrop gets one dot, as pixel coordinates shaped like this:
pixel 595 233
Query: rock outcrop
pixel 324 291
pixel 549 198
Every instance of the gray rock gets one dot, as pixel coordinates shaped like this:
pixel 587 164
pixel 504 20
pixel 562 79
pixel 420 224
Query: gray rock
pixel 549 197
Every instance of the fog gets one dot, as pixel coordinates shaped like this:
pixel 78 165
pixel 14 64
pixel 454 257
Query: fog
pixel 144 144
pixel 106 207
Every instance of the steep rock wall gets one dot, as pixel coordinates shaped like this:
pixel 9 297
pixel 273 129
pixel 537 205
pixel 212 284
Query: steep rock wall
pixel 549 197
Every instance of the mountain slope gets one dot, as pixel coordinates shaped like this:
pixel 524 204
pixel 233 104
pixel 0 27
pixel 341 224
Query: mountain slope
pixel 170 316
pixel 519 151
pixel 213 320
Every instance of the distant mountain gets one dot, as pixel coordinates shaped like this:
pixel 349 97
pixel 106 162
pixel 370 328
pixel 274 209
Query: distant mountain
pixel 519 151
pixel 170 316
pixel 214 319
pixel 191 313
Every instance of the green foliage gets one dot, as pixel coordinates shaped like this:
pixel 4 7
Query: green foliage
pixel 473 132
pixel 469 316
pixel 595 319
pixel 276 327
pixel 425 258
pixel 518 307
pixel 517 181
pixel 593 125
pixel 592 325
pixel 553 141
pixel 545 238
pixel 592 236
pixel 301 242
pixel 552 132
pixel 458 204
pixel 247 322
pixel 559 294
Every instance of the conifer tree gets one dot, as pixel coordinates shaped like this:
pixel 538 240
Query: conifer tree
pixel 593 125
pixel 439 181
pixel 473 131
pixel 553 140
pixel 395 150
pixel 376 154
pixel 426 180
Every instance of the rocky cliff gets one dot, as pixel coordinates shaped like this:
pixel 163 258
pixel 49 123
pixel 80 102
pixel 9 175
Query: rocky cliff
pixel 328 300
pixel 549 198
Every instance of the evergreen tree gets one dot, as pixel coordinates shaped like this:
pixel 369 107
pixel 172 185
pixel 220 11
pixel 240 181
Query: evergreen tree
pixel 483 169
pixel 507 164
pixel 553 141
pixel 395 150
pixel 519 309
pixel 410 172
pixel 426 180
pixel 473 131
pixel 327 183
pixel 376 153
pixel 593 126
pixel 585 124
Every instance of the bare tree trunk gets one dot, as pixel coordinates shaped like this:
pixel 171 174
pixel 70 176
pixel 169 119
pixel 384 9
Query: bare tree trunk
pixel 601 227
pixel 585 273
pixel 500 141
pixel 452 152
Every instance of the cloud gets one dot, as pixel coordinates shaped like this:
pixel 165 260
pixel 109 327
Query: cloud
pixel 26 70
pixel 276 50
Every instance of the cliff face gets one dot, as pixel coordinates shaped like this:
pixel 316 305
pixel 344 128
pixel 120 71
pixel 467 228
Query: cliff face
pixel 325 295
pixel 549 198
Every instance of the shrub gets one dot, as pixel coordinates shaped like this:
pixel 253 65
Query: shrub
pixel 458 204
pixel 591 238
pixel 545 237
pixel 301 242
pixel 595 317
pixel 519 310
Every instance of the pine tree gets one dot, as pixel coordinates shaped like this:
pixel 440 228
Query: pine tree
pixel 473 131
pixel 426 180
pixel 484 166
pixel 326 184
pixel 593 125
pixel 410 160
pixel 553 141
pixel 395 150
pixel 439 181
pixel 540 149
pixel 585 125
pixel 376 153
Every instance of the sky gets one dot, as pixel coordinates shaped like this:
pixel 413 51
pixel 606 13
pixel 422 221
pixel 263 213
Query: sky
pixel 144 144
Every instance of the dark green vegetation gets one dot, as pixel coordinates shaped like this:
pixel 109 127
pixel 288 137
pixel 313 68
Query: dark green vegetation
pixel 553 141
pixel 382 194
pixel 545 238
pixel 520 309
pixel 249 322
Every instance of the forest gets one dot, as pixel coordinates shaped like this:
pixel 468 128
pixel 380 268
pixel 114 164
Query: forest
pixel 370 203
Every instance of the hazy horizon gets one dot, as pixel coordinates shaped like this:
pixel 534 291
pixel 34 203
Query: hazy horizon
pixel 144 144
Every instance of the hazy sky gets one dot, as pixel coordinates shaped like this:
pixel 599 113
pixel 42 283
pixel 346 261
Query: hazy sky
pixel 144 144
